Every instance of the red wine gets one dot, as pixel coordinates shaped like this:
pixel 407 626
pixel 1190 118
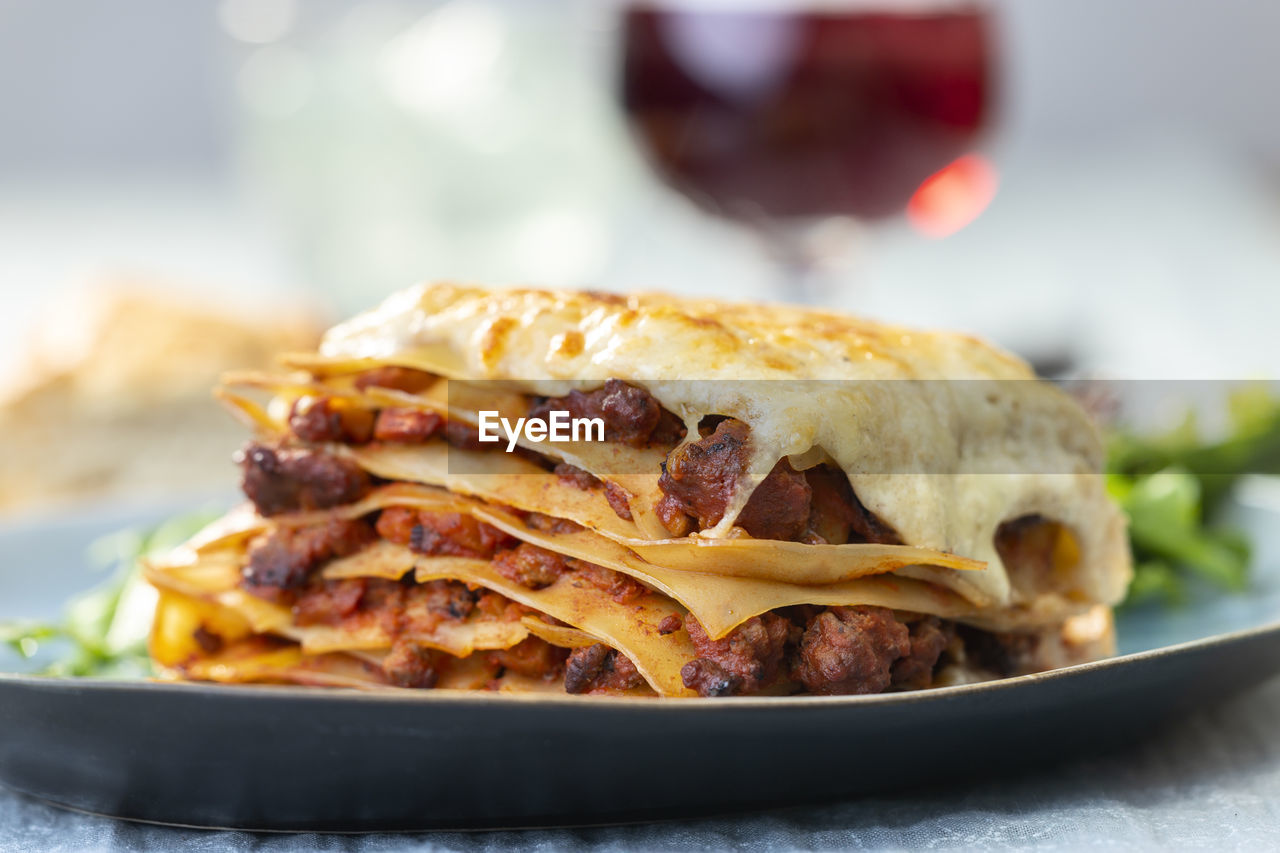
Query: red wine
pixel 809 112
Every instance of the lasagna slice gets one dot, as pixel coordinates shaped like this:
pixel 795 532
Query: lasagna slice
pixel 775 501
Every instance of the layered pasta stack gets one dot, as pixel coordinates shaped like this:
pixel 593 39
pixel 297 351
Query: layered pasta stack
pixel 762 500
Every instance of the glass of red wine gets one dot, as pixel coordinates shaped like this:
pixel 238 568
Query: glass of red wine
pixel 784 115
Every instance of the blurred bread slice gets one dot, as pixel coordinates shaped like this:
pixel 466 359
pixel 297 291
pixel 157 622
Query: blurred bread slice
pixel 115 395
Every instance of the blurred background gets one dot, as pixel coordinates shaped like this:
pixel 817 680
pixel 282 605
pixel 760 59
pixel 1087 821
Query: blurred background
pixel 1094 184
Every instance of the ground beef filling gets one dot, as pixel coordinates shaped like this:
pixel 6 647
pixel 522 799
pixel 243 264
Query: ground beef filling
pixel 289 479
pixel 538 568
pixel 600 667
pixel 321 419
pixel 406 426
pixel 850 650
pixel 619 499
pixel 699 477
pixel 546 523
pixel 853 650
pixel 816 506
pixel 285 559
pixel 835 650
pixel 930 637
pixel 631 415
pixel 394 424
pixel 530 566
pixel 324 419
pixel 779 507
pixel 836 516
pixel 572 475
pixel 411 665
pixel 748 658
pixel 394 606
pixel 441 534
pixel 396 378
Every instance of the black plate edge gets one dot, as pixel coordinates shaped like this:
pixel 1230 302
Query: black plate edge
pixel 460 702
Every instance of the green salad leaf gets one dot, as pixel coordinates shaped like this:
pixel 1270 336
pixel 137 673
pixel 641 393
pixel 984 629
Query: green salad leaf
pixel 103 632
pixel 1172 487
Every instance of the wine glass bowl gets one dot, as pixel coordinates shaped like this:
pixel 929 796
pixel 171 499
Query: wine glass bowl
pixel 773 115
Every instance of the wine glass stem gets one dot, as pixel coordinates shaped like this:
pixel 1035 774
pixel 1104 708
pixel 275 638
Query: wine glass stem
pixel 797 273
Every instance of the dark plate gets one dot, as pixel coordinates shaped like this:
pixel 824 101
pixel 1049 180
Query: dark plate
pixel 294 759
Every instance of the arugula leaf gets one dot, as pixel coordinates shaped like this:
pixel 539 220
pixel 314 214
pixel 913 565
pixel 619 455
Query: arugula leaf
pixel 103 632
pixel 1165 524
pixel 1156 580
pixel 1172 485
